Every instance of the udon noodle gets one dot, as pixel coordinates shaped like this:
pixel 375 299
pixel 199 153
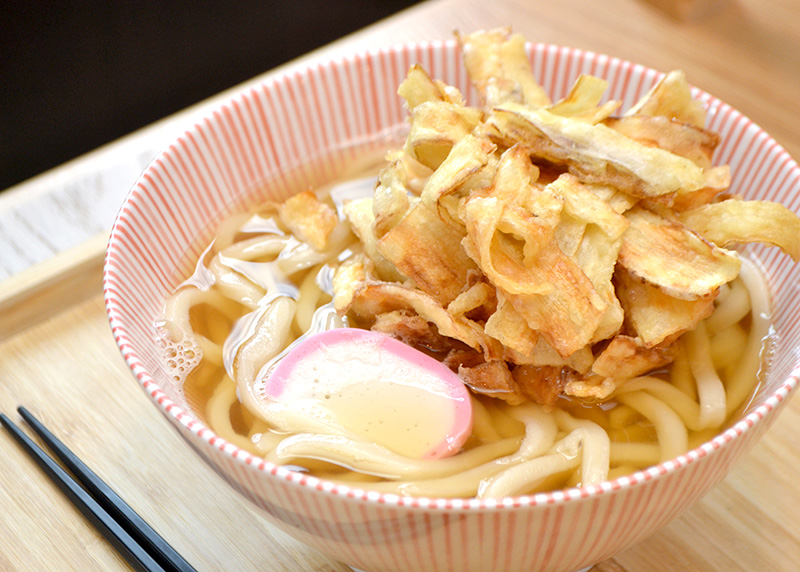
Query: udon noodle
pixel 258 289
pixel 520 208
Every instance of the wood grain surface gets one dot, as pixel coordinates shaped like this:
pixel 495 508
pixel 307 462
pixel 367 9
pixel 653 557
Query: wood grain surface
pixel 59 359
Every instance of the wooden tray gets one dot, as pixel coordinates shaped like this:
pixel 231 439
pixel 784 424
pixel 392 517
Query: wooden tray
pixel 59 359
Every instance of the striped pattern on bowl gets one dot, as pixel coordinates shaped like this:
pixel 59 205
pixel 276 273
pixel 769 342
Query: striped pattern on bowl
pixel 304 128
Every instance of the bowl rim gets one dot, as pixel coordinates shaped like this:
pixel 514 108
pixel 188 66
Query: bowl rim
pixel 189 420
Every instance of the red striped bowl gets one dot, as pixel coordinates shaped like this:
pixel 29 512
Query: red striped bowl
pixel 304 128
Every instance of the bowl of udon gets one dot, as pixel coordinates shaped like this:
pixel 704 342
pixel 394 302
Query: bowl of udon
pixel 466 305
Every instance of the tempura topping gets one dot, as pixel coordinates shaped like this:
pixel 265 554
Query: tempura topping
pixel 545 248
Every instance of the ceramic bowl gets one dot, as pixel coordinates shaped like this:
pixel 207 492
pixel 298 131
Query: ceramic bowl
pixel 306 127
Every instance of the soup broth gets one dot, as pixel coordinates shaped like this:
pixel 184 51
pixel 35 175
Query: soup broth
pixel 563 258
pixel 650 419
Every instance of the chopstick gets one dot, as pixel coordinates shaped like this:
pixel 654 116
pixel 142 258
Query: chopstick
pixel 143 548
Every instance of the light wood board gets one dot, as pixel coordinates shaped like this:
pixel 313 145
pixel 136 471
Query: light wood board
pixel 58 358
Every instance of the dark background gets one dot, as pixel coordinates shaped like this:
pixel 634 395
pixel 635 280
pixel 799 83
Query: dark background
pixel 76 75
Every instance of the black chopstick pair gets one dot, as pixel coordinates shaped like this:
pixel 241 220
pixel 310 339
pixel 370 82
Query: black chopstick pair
pixel 130 535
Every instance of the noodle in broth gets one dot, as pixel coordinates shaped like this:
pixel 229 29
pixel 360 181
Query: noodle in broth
pixel 495 236
pixel 257 290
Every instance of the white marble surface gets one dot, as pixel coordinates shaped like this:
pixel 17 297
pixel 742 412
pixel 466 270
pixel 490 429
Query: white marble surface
pixel 36 222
